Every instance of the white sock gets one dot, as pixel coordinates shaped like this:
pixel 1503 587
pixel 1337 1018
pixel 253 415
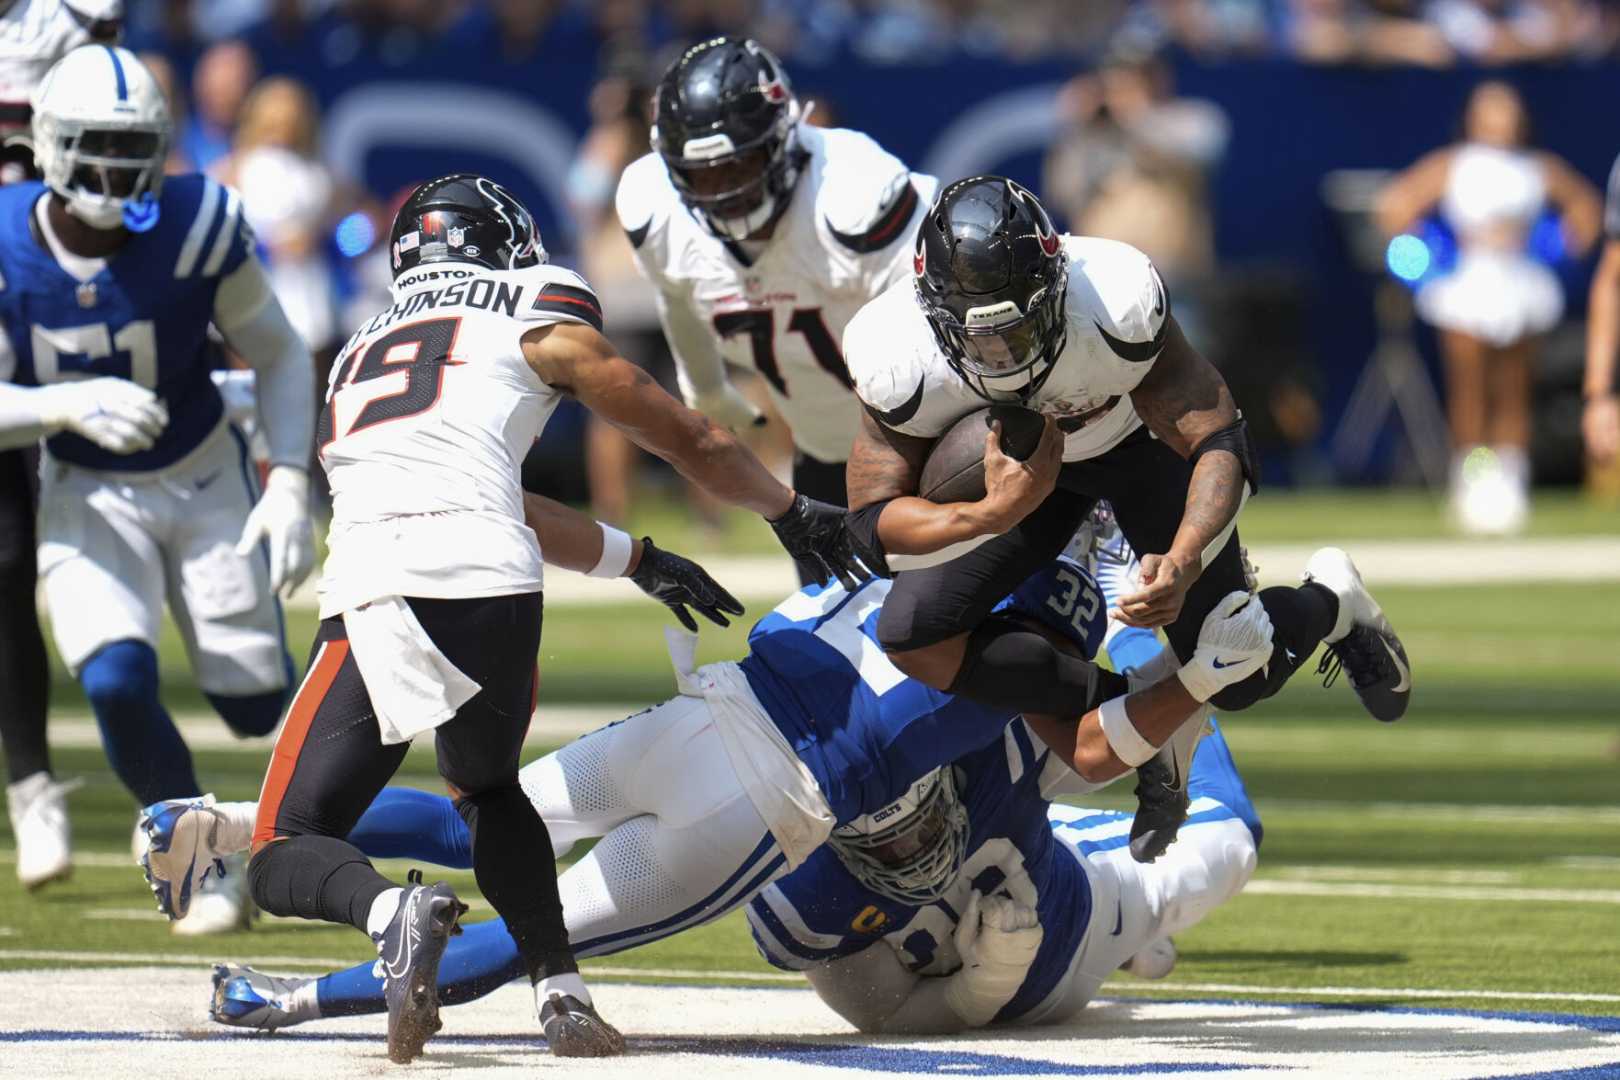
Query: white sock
pixel 382 911
pixel 235 829
pixel 568 983
pixel 305 1002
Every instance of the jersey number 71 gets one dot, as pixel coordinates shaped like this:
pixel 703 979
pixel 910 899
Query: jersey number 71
pixel 419 352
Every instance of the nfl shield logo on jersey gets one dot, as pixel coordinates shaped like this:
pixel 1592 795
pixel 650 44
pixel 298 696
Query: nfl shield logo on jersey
pixel 87 294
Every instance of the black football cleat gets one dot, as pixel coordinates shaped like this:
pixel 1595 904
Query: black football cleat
pixel 1362 644
pixel 1161 807
pixel 573 1029
pixel 408 955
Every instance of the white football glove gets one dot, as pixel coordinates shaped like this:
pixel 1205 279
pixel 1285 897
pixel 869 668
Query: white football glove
pixel 997 939
pixel 281 520
pixel 113 413
pixel 728 408
pixel 1233 644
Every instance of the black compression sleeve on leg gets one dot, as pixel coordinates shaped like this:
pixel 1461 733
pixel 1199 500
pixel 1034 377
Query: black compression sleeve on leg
pixel 1009 667
pixel 1300 617
pixel 512 859
pixel 316 877
pixel 24 676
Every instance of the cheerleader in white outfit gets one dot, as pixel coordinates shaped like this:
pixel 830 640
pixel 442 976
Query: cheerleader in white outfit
pixel 1490 310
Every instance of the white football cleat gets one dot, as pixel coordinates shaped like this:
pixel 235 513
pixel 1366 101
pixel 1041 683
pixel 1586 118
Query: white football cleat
pixel 1155 960
pixel 251 999
pixel 178 843
pixel 39 821
pixel 221 903
pixel 1361 642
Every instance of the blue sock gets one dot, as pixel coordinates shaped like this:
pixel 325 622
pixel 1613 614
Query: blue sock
pixel 1215 774
pixel 143 745
pixel 403 823
pixel 483 958
pixel 250 714
pixel 1132 647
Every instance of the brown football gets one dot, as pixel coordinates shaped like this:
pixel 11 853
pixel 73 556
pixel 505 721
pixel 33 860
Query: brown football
pixel 954 471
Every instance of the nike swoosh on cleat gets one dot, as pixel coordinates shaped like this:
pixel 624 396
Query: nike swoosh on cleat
pixel 1406 673
pixel 1219 664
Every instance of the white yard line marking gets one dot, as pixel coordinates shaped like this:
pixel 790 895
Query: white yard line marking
pixel 1438 561
pixel 1353 991
pixel 1397 873
pixel 607 971
pixel 76 730
pixel 1502 813
pixel 1386 891
pixel 166 959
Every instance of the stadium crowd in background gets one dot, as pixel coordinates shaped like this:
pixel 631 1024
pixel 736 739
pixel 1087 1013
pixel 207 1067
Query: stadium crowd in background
pixel 1427 33
pixel 1132 159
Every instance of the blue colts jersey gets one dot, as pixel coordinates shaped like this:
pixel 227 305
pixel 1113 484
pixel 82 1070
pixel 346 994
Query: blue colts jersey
pixel 865 730
pixel 820 912
pixel 143 317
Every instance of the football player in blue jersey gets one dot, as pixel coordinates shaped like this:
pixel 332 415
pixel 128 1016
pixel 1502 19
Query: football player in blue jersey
pixel 975 900
pixel 704 800
pixel 110 276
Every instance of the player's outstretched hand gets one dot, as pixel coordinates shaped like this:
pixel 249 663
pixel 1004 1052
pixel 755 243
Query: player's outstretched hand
pixel 679 583
pixel 281 520
pixel 113 413
pixel 814 532
pixel 1164 589
pixel 1234 642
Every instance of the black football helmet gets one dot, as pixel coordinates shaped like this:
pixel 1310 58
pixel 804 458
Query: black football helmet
pixel 992 278
pixel 726 124
pixel 464 217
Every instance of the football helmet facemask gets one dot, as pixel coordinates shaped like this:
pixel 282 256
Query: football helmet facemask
pixel 992 278
pixel 726 126
pixel 910 850
pixel 100 134
pixel 463 217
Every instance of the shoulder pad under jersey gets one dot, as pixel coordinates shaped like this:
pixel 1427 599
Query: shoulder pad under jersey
pixel 1116 294
pixel 866 196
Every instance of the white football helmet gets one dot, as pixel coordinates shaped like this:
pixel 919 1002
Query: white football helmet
pixel 101 134
pixel 910 850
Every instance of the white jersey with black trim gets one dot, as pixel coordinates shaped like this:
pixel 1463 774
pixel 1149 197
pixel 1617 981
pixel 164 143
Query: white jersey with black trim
pixel 34 34
pixel 430 410
pixel 845 236
pixel 1118 315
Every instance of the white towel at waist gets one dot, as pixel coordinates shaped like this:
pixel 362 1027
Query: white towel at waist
pixel 780 786
pixel 413 686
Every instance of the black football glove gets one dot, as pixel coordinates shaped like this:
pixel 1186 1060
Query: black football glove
pixel 677 582
pixel 813 532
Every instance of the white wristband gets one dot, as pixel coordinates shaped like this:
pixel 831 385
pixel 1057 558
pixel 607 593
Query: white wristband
pixel 616 549
pixel 1127 743
pixel 1199 681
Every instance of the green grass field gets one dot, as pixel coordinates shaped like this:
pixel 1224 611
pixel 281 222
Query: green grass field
pixel 1473 847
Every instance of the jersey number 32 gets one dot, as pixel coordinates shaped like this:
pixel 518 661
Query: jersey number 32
pixel 399 374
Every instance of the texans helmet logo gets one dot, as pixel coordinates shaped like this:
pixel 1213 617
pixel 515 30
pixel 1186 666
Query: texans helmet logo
pixel 1043 225
pixel 918 261
pixel 773 90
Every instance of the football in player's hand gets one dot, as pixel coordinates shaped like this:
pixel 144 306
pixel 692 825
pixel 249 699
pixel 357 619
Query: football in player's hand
pixel 954 471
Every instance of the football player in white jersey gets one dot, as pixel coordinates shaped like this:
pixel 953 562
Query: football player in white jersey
pixel 431 593
pixel 1004 310
pixel 34 34
pixel 764 235
pixel 112 276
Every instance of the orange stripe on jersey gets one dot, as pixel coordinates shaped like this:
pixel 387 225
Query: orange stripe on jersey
pixel 284 759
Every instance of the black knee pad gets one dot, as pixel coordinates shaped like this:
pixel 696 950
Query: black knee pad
pixel 904 624
pixel 315 877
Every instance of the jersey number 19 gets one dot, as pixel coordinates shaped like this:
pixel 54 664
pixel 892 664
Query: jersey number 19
pixel 412 358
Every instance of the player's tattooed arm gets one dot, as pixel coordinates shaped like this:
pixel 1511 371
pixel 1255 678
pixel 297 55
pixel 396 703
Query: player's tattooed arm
pixel 581 362
pixel 883 464
pixel 1183 400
